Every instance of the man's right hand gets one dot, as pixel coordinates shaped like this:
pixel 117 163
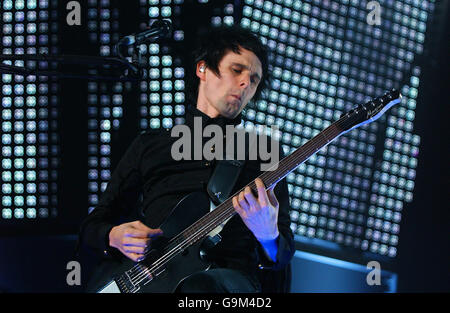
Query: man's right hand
pixel 132 239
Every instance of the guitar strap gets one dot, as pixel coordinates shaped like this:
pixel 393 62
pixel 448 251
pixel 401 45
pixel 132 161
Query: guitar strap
pixel 225 176
pixel 227 170
pixel 220 185
pixel 223 179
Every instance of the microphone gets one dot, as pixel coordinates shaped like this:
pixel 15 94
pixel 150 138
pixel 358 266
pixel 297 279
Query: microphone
pixel 158 29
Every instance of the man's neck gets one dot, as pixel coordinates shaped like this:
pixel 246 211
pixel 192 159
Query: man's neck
pixel 208 110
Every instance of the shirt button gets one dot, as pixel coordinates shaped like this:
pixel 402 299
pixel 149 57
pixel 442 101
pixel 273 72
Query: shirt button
pixel 207 163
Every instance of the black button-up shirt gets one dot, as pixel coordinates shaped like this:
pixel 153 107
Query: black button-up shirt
pixel 148 183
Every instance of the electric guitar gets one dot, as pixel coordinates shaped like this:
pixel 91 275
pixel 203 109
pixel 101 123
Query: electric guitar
pixel 178 253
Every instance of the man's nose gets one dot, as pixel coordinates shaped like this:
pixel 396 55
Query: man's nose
pixel 245 81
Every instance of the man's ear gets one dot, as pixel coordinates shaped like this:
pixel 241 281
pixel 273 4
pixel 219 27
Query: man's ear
pixel 201 70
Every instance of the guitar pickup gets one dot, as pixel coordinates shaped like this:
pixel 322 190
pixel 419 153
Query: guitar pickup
pixel 211 241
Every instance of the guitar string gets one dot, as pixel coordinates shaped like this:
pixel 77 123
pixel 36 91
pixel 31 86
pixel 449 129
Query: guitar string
pixel 230 209
pixel 227 211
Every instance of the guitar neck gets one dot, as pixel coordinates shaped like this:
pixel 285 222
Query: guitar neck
pixel 225 210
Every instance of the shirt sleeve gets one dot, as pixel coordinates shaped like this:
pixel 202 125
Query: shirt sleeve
pixel 119 197
pixel 285 241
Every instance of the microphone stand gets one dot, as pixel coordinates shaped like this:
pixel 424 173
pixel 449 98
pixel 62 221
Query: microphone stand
pixel 129 71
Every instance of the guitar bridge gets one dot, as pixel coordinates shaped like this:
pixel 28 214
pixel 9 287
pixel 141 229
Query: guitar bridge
pixel 125 284
pixel 131 281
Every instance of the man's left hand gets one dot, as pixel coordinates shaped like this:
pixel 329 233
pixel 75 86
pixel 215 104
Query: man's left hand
pixel 259 214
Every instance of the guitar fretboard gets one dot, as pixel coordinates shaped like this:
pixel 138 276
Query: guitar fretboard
pixel 225 210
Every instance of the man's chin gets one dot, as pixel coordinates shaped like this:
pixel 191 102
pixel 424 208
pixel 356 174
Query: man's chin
pixel 232 111
pixel 231 114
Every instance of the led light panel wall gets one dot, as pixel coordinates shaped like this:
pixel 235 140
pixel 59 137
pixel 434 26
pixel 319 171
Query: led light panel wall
pixel 29 138
pixel 104 99
pixel 162 92
pixel 224 16
pixel 328 59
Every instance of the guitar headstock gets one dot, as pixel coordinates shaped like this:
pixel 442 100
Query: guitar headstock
pixel 370 111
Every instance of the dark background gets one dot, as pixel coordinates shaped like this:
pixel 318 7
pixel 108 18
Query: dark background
pixel 35 259
pixel 424 245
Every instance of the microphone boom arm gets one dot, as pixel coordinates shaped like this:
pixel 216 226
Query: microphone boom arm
pixel 106 62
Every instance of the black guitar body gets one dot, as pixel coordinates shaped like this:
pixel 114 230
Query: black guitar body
pixel 165 280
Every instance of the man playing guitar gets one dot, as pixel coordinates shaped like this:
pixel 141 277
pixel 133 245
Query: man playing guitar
pixel 231 69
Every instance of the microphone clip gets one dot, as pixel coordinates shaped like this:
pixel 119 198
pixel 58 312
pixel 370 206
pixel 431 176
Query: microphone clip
pixel 158 29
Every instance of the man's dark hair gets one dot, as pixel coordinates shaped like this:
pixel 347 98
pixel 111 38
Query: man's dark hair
pixel 216 43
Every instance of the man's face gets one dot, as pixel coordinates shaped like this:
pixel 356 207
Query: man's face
pixel 228 94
